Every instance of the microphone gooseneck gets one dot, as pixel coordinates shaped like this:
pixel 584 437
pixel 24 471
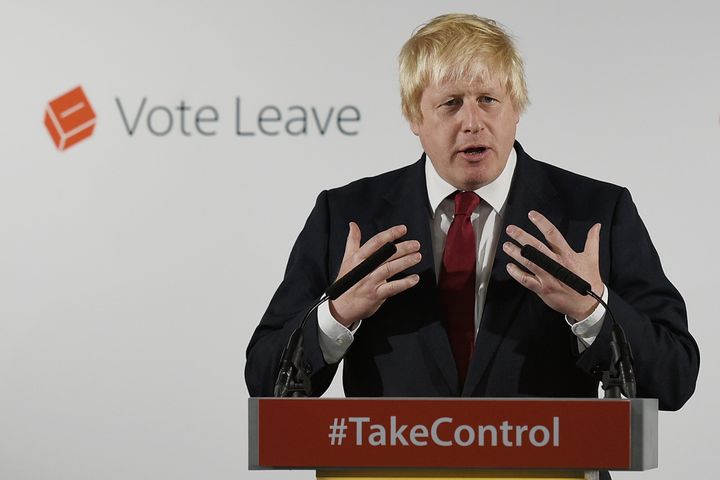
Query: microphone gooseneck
pixel 292 380
pixel 620 378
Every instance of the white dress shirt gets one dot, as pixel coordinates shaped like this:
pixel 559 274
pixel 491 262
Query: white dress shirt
pixel 487 222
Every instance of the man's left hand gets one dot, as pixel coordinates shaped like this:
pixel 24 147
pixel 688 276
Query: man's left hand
pixel 553 292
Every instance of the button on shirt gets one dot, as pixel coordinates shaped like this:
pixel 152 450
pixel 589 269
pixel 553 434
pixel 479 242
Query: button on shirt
pixel 487 221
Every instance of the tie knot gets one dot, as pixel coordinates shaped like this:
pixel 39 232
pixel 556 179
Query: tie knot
pixel 466 202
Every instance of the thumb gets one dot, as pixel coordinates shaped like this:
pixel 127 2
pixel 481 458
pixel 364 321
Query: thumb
pixel 592 243
pixel 352 244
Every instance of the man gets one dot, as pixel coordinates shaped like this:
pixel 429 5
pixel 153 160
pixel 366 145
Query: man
pixel 457 310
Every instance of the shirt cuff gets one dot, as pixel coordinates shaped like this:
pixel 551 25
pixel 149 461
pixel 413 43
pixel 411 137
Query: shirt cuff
pixel 588 329
pixel 335 339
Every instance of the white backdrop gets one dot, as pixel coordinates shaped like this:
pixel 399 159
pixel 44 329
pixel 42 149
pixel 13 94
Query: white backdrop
pixel 133 269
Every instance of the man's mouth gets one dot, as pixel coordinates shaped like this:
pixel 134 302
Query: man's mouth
pixel 474 152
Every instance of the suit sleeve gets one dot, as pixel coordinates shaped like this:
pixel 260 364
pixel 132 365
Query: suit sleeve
pixel 306 278
pixel 650 310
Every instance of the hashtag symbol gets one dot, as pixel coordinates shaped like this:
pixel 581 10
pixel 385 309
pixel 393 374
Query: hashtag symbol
pixel 337 431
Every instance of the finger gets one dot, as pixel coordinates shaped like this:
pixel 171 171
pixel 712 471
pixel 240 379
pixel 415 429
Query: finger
pixel 516 254
pixel 380 239
pixel 389 289
pixel 405 248
pixel 550 232
pixel 392 268
pixel 592 243
pixel 525 279
pixel 524 238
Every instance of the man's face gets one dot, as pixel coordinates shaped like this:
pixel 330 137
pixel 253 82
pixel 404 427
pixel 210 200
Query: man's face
pixel 467 130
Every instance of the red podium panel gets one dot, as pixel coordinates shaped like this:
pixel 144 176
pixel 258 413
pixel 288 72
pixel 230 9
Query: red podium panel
pixel 453 433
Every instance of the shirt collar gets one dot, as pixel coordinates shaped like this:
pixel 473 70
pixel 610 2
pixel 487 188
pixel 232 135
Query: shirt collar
pixel 494 193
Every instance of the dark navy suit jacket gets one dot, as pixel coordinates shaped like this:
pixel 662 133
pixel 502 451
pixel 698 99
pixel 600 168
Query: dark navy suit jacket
pixel 523 347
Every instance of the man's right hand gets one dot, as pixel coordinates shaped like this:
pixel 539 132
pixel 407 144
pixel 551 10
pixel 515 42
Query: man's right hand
pixel 364 299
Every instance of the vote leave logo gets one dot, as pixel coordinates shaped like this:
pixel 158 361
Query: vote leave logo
pixel 69 118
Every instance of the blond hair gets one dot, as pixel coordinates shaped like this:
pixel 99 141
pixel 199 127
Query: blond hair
pixel 459 46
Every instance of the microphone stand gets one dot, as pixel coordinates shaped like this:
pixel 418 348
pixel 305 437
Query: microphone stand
pixel 292 381
pixel 619 378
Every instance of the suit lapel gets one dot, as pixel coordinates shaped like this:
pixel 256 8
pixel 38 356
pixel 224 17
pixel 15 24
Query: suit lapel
pixel 407 203
pixel 530 189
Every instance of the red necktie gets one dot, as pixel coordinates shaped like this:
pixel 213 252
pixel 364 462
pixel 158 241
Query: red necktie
pixel 457 281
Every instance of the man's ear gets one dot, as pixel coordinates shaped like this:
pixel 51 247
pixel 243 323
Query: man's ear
pixel 415 127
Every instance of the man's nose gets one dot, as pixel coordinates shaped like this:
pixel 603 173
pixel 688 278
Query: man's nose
pixel 473 121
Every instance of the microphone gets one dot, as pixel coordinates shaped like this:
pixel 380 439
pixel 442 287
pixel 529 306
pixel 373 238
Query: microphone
pixel 361 271
pixel 292 379
pixel 620 377
pixel 555 269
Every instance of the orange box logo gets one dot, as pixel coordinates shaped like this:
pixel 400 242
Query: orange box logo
pixel 70 118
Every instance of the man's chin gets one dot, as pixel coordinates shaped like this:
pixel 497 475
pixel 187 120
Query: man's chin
pixel 474 175
pixel 478 180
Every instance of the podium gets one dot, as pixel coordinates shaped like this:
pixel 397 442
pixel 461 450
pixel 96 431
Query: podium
pixel 483 438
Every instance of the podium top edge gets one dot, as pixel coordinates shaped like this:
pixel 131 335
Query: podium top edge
pixel 465 399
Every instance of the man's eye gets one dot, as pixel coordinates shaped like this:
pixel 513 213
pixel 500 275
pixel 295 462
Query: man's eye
pixel 487 100
pixel 453 102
